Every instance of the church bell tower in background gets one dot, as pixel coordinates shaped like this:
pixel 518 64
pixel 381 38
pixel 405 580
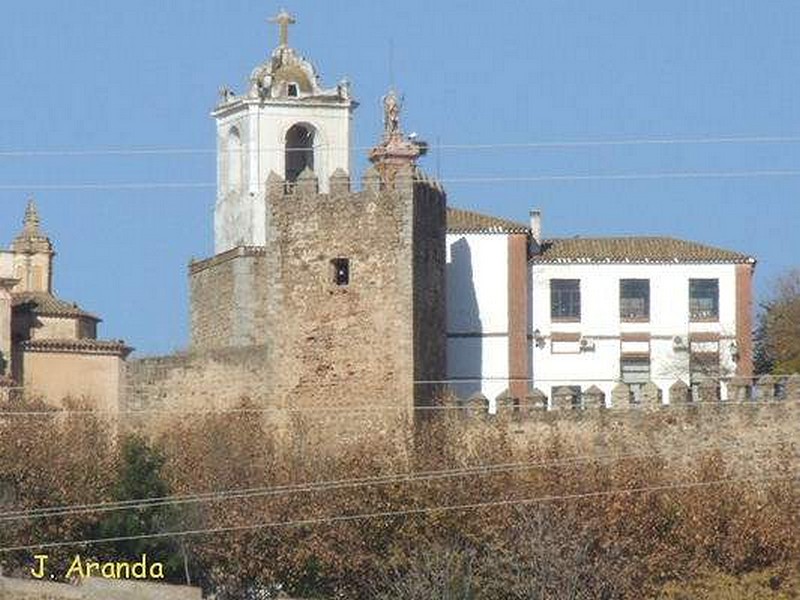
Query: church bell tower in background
pixel 284 123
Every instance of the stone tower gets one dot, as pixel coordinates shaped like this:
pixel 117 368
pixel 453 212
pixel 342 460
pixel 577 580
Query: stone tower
pixel 283 123
pixel 33 255
pixel 49 345
pixel 340 298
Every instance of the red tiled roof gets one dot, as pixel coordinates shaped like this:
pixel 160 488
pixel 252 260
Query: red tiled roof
pixel 80 346
pixel 467 221
pixel 634 249
pixel 47 305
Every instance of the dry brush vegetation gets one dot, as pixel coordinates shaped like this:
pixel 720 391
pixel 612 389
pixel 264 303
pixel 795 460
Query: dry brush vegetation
pixel 569 521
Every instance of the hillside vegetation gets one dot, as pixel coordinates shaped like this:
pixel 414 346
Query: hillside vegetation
pixel 462 508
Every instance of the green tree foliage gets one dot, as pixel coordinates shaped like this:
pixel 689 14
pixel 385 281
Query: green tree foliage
pixel 139 477
pixel 778 330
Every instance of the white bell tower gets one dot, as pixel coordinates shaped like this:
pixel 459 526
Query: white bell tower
pixel 284 123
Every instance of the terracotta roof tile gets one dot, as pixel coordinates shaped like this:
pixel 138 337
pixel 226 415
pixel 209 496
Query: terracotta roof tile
pixel 633 249
pixel 467 221
pixel 83 346
pixel 47 305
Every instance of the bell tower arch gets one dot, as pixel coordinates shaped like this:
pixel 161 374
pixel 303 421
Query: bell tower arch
pixel 299 153
pixel 285 122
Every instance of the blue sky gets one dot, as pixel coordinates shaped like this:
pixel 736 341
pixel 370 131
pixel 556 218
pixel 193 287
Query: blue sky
pixel 96 74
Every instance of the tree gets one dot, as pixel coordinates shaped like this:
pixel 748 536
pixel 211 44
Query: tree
pixel 139 478
pixel 778 331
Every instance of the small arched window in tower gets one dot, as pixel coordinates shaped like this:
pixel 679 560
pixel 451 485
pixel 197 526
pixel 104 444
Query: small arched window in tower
pixel 292 90
pixel 299 150
pixel 233 152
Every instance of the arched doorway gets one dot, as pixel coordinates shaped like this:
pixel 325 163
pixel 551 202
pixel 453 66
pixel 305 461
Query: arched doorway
pixel 299 150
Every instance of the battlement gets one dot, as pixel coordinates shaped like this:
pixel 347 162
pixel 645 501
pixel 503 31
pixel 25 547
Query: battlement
pixel 347 291
pixel 376 179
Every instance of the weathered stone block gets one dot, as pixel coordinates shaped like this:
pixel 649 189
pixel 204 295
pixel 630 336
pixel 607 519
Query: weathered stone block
pixel 740 389
pixel 793 387
pixel 371 181
pixel 566 398
pixel 307 182
pixel 534 401
pixel 476 405
pixel 594 397
pixel 620 394
pixel 709 391
pixel 679 392
pixel 505 404
pixel 339 183
pixel 765 388
pixel 650 394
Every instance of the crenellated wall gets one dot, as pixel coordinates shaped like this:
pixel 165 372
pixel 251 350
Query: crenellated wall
pixel 370 338
pixel 306 340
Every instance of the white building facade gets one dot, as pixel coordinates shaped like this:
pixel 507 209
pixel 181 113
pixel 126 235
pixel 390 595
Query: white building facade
pixel 488 321
pixel 597 312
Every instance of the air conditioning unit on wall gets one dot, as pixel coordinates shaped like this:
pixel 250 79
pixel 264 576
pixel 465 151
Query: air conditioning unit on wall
pixel 586 345
pixel 679 344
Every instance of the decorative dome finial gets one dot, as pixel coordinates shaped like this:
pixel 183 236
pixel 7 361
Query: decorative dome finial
pixel 31 220
pixel 31 240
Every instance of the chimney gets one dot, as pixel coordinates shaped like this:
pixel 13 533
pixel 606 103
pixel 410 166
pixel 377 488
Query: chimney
pixel 536 225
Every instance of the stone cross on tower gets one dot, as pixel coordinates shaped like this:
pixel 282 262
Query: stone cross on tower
pixel 283 19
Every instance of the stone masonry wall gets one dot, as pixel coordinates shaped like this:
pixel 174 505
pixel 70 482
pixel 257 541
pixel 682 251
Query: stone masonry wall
pixel 272 325
pixel 353 344
pixel 227 294
pixel 197 380
pixel 752 436
pixel 429 289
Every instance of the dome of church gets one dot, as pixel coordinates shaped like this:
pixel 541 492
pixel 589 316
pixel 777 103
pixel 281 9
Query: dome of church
pixel 293 74
pixel 285 75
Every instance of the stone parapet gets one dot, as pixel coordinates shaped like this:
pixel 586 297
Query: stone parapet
pixel 769 389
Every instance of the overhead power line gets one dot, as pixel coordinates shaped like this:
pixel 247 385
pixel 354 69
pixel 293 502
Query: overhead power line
pixel 138 186
pixel 330 485
pixel 336 519
pixel 586 143
pixel 625 176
